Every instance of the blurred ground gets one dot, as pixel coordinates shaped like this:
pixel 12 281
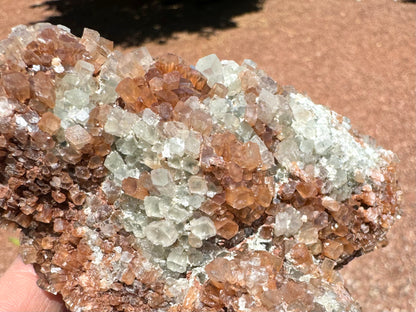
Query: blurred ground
pixel 358 58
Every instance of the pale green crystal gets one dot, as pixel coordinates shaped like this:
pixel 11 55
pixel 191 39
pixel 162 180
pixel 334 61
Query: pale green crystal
pixel 152 206
pixel 202 228
pixel 197 185
pixel 211 67
pixel 174 147
pixel 160 177
pixel 144 132
pixel 177 214
pixel 231 80
pixel 127 145
pixel 177 260
pixel 161 233
pixel 190 165
pixel 120 122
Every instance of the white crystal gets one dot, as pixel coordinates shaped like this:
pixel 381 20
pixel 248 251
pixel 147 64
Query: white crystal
pixel 113 161
pixel 177 214
pixel 144 57
pixel 152 206
pixel 197 185
pixel 145 132
pixel 173 147
pixel 288 222
pixel 161 233
pixel 126 257
pixel 161 177
pixel 20 121
pixel 127 145
pixel 57 66
pixel 6 109
pixel 211 67
pixel 268 105
pixel 150 117
pixel 84 68
pixel 203 228
pixel 218 107
pixel 231 80
pixel 120 122
pixel 196 200
pixel 193 144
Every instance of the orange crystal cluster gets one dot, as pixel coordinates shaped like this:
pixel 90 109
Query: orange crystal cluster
pixel 146 184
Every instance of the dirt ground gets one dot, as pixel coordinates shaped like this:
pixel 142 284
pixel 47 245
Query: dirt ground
pixel 358 58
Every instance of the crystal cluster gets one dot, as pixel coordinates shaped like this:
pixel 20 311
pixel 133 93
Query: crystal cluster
pixel 146 184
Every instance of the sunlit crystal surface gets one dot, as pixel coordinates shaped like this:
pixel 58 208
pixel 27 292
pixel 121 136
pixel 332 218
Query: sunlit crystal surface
pixel 146 184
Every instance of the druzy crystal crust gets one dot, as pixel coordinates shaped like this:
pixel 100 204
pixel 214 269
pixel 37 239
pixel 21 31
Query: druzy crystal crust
pixel 146 184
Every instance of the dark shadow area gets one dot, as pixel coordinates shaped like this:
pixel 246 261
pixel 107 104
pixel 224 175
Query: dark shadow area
pixel 134 22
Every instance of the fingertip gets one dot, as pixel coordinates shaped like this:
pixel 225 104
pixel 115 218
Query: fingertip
pixel 19 291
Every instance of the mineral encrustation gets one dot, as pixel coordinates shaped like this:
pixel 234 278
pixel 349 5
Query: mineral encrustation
pixel 145 184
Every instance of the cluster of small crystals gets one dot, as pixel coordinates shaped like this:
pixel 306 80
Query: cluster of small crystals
pixel 151 185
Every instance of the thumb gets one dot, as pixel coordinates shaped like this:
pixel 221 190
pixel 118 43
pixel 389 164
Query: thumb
pixel 19 292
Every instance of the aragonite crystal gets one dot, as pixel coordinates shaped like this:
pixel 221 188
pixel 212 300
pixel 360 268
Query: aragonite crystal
pixel 146 184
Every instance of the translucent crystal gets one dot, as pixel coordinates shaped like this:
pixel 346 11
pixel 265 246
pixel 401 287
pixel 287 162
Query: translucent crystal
pixel 151 206
pixel 196 200
pixel 330 203
pixel 120 122
pixel 144 57
pixel 49 123
pixel 202 228
pixel 197 185
pixel 268 106
pixel 190 165
pixel 84 68
pixel 195 242
pixel 193 144
pixel 115 163
pixel 150 117
pixel 161 233
pixel 288 222
pixel 177 214
pixel 173 147
pixel 308 234
pixel 145 132
pixel 231 81
pixel 218 107
pixel 211 67
pixel 161 177
pixel 127 145
pixel 177 260
pixel 77 136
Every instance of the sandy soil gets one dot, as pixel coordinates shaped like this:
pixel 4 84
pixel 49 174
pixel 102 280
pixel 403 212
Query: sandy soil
pixel 358 58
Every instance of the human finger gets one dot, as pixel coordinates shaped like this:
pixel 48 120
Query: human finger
pixel 20 293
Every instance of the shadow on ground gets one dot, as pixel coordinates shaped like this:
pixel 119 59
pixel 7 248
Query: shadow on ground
pixel 134 22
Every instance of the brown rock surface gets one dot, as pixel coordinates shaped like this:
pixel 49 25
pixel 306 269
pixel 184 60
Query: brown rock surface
pixel 356 57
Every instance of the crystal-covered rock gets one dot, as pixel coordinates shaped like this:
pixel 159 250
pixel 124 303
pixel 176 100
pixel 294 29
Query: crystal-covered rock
pixel 147 184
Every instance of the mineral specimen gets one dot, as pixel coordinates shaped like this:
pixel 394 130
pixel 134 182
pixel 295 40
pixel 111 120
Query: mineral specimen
pixel 146 184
